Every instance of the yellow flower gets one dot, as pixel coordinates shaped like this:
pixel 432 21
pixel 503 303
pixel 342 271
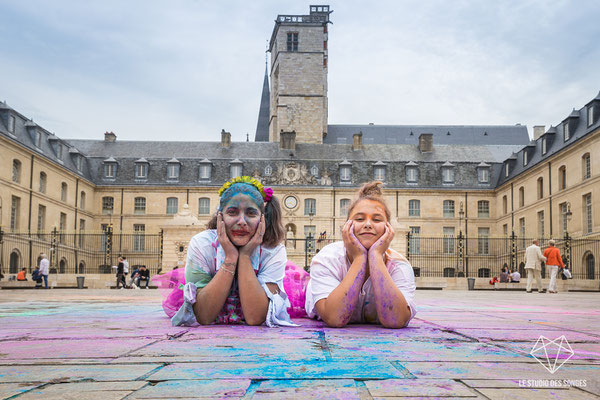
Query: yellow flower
pixel 243 179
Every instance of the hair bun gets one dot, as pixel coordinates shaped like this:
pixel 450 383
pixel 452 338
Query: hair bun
pixel 372 189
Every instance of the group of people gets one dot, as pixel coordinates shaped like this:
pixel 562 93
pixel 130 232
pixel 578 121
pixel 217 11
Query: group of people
pixel 235 269
pixel 139 275
pixel 533 265
pixel 39 273
pixel 506 276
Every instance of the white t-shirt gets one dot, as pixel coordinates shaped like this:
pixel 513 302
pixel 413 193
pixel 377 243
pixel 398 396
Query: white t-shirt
pixel 44 265
pixel 329 267
pixel 125 267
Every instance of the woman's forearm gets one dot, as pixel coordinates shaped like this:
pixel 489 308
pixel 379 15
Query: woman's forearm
pixel 211 298
pixel 336 310
pixel 255 302
pixel 392 309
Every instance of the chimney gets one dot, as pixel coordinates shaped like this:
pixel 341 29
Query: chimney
pixel 538 130
pixel 110 137
pixel 225 138
pixel 287 140
pixel 426 142
pixel 357 141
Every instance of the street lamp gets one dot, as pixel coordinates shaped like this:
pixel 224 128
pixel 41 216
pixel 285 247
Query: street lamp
pixel 461 215
pixel 308 244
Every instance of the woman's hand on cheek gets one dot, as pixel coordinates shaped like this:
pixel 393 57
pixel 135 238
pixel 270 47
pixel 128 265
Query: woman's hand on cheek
pixel 353 246
pixel 256 239
pixel 383 243
pixel 231 252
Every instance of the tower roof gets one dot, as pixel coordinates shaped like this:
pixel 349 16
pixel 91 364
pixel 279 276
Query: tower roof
pixel 262 126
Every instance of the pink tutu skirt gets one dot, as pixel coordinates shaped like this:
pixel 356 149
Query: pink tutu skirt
pixel 294 284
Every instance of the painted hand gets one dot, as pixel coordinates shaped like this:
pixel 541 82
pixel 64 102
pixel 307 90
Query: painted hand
pixel 353 246
pixel 231 252
pixel 256 240
pixel 383 243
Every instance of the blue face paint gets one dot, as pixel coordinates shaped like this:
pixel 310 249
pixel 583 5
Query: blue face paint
pixel 242 188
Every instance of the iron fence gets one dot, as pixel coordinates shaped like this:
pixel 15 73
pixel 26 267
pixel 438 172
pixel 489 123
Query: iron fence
pixel 79 253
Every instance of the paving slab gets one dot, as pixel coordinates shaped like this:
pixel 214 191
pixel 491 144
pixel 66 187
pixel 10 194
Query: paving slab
pixel 109 344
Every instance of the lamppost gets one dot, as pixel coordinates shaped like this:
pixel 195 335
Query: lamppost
pixel 308 240
pixel 568 215
pixel 461 215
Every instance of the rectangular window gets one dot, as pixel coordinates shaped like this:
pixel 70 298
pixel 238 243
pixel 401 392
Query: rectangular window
pixel 345 174
pixel 587 206
pixel 41 223
pixel 505 229
pixel 15 213
pixel 411 174
pixel 540 218
pixel 414 208
pixel 483 209
pixel 79 163
pixel 544 145
pixel 108 204
pixel 344 205
pixel 172 205
pixel 587 167
pixel 483 175
pixel 566 132
pixel 415 241
pixel 310 206
pixel 448 175
pixel 81 232
pixel 173 171
pixel 379 173
pixel 205 172
pixel 483 241
pixel 448 208
pixel 139 237
pixel 62 227
pixel 59 151
pixel 506 169
pixel 449 240
pixel 525 157
pixel 563 217
pixel 235 170
pixel 590 115
pixel 38 139
pixel 203 206
pixel 11 123
pixel 141 171
pixel 109 170
pixel 522 232
pixel 139 205
pixel 292 41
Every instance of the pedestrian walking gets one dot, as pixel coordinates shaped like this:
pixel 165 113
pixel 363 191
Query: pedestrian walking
pixel 533 265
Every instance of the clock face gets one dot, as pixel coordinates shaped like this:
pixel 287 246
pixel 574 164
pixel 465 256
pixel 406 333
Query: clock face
pixel 290 202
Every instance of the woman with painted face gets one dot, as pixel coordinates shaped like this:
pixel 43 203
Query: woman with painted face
pixel 361 279
pixel 235 269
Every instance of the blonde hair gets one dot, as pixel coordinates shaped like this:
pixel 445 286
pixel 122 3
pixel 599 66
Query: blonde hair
pixel 370 191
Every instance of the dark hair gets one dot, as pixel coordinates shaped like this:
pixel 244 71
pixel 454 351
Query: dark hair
pixel 274 231
pixel 370 191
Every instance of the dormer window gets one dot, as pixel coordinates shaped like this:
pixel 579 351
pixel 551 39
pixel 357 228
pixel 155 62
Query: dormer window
pixel 173 166
pixel 205 170
pixel 566 133
pixel 345 172
pixel 79 163
pixel 235 169
pixel 544 145
pixel 141 169
pixel 590 115
pixel 506 169
pixel 525 158
pixel 483 173
pixel 59 151
pixel 447 173
pixel 110 168
pixel 412 172
pixel 11 123
pixel 38 139
pixel 379 171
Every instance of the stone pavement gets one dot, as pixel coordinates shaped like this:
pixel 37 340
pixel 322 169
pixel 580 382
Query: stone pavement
pixel 111 344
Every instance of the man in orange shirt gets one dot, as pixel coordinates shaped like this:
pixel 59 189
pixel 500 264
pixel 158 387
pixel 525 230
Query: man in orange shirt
pixel 554 260
pixel 22 276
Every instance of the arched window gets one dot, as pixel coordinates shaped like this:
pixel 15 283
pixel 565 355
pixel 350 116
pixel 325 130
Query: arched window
pixel 521 196
pixel 43 179
pixel 15 262
pixel 63 191
pixel 82 200
pixel 562 178
pixel 586 166
pixel 540 188
pixel 590 267
pixel 16 171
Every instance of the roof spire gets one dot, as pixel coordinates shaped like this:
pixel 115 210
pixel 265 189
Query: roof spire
pixel 262 126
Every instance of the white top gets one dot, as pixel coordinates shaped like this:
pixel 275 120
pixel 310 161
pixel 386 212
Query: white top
pixel 206 254
pixel 516 276
pixel 44 266
pixel 534 257
pixel 329 267
pixel 125 266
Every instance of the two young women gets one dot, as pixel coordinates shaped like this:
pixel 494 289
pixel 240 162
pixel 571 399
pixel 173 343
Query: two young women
pixel 235 269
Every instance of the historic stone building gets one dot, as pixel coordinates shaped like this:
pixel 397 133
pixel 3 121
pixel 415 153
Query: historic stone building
pixel 483 181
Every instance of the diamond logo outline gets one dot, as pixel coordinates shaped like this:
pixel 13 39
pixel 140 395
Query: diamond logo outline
pixel 542 349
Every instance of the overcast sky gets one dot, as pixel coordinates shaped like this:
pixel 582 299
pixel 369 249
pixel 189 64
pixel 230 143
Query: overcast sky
pixel 184 70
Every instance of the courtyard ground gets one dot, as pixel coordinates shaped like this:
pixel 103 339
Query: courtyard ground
pixel 116 344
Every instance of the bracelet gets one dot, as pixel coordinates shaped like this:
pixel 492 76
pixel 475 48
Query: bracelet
pixel 232 272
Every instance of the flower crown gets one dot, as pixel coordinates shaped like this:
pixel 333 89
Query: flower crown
pixel 266 193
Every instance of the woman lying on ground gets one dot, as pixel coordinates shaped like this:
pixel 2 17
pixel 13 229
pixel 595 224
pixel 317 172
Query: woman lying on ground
pixel 235 269
pixel 361 279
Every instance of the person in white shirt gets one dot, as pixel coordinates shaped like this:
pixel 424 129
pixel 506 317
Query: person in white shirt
pixel 362 280
pixel 44 268
pixel 533 265
pixel 515 276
